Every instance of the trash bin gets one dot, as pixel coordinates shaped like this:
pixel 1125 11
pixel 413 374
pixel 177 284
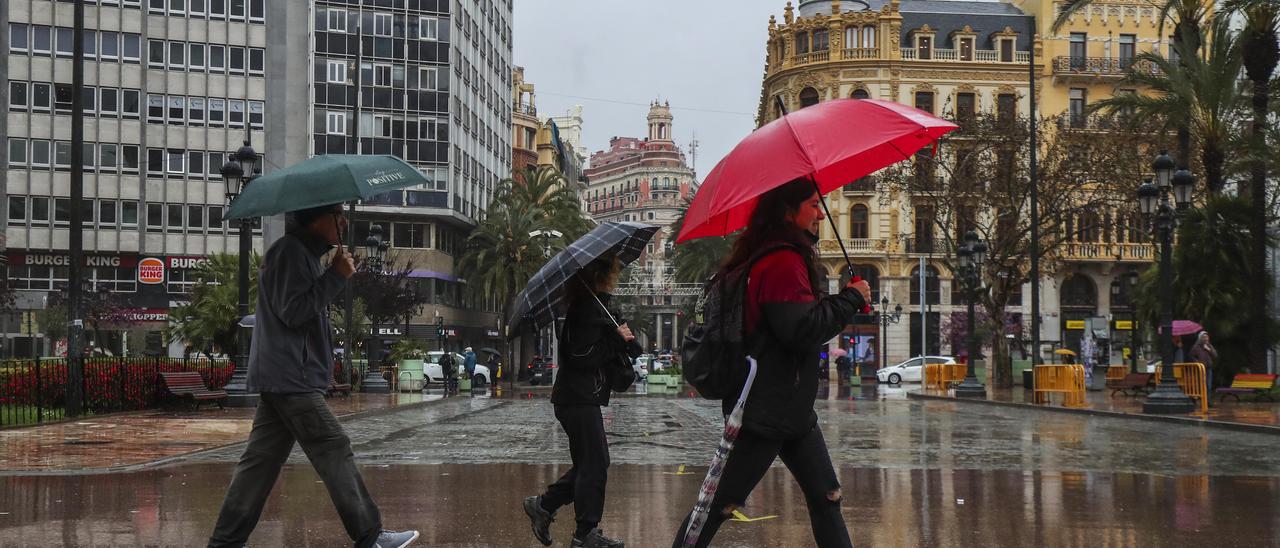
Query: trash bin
pixel 1028 379
pixel 1099 380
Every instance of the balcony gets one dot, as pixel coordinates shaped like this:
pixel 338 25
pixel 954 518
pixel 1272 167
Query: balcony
pixel 811 57
pixel 1107 252
pixel 908 54
pixel 855 246
pixel 526 109
pixel 865 185
pixel 912 245
pixel 1068 67
pixel 979 56
pixel 860 53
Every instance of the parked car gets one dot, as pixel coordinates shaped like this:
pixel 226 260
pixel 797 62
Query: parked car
pixel 910 370
pixel 541 371
pixel 641 366
pixel 431 369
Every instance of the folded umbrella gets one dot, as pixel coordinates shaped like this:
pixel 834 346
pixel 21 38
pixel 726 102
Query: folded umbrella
pixel 323 180
pixel 541 300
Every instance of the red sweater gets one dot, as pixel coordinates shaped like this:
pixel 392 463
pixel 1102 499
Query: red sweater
pixel 780 276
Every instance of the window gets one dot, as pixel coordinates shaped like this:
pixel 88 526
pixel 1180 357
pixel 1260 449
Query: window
pixel 195 163
pixel 336 123
pixel 61 211
pixel 382 75
pixel 155 109
pixel 132 47
pixel 129 158
pixel 428 28
pixel 217 9
pixel 155 162
pixel 1006 107
pixel 110 103
pixel 156 6
pixel 89 99
pixel 62 98
pixel 64 37
pixel 177 55
pixel 235 111
pixel 820 40
pixel 257 60
pixel 1128 48
pixel 924 101
pixel 131 107
pixel 18 37
pixel 90 43
pixel 337 20
pixel 869 37
pixel 1076 106
pixel 428 129
pixel 428 78
pixel 256 113
pixel 1006 50
pixel 858 221
pixel 107 157
pixel 237 60
pixel 195 110
pixel 177 109
pixel 107 212
pixel 382 24
pixel 215 218
pixel 966 49
pixel 173 222
pixel 217 58
pixel 237 10
pixel 802 43
pixel 155 215
pixel 337 73
pixel 195 57
pixel 41 39
pixel 17 209
pixel 40 153
pixel 924 47
pixel 195 216
pixel 129 213
pixel 17 152
pixel 155 53
pixel 196 7
pixel 808 97
pixel 174 161
pixel 39 210
pixel 1077 50
pixel 217 110
pixel 17 96
pixel 257 10
pixel 966 107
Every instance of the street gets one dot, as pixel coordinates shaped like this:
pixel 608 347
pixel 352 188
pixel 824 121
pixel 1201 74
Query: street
pixel 914 474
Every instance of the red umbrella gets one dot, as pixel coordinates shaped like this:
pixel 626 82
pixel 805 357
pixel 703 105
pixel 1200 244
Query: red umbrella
pixel 834 143
pixel 1183 327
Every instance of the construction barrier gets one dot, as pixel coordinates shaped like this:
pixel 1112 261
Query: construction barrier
pixel 941 376
pixel 1116 372
pixel 1065 379
pixel 1191 379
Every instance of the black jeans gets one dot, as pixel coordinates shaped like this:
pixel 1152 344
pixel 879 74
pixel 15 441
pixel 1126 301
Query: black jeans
pixel 281 419
pixel 583 485
pixel 807 459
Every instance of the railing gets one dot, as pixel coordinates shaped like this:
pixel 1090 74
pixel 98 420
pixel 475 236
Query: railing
pixel 908 53
pixel 940 376
pixel 1065 379
pixel 923 246
pixel 854 245
pixel 523 108
pixel 986 56
pixel 861 53
pixel 942 54
pixel 811 57
pixel 864 184
pixel 1192 380
pixel 35 391
pixel 1107 251
pixel 1098 66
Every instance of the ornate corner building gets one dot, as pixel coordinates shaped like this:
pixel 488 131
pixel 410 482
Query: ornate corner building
pixel 956 58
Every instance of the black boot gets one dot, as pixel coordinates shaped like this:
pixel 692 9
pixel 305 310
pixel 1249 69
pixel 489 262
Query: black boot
pixel 596 539
pixel 540 519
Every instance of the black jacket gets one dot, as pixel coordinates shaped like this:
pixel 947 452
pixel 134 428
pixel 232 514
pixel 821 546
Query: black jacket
pixel 793 324
pixel 591 351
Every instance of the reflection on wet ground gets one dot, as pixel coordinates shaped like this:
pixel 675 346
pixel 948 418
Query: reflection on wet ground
pixel 478 505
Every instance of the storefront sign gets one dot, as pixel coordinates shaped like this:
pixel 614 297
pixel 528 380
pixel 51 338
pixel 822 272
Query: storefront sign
pixel 389 332
pixel 491 333
pixel 1075 324
pixel 60 259
pixel 145 315
pixel 151 271
pixel 182 263
pixel 1124 325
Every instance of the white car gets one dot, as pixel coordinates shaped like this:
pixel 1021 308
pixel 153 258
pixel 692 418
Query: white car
pixel 641 366
pixel 431 369
pixel 910 370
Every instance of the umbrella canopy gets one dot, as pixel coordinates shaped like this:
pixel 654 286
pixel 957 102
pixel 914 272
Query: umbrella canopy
pixel 838 352
pixel 323 180
pixel 540 301
pixel 834 143
pixel 1184 327
pixel 488 350
pixel 1064 352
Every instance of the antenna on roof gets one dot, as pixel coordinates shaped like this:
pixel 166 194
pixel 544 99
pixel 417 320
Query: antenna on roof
pixel 693 153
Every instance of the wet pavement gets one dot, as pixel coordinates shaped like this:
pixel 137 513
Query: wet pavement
pixel 915 473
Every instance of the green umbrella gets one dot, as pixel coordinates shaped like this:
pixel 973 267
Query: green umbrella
pixel 323 180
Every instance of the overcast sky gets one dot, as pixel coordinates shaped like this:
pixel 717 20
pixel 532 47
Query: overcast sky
pixel 705 57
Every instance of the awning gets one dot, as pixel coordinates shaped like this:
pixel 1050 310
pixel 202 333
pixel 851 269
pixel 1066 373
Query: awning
pixel 419 273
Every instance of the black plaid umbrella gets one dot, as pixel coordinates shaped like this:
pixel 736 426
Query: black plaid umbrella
pixel 540 301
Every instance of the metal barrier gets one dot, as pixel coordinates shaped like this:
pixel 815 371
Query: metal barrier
pixel 1191 379
pixel 1065 379
pixel 941 376
pixel 1116 372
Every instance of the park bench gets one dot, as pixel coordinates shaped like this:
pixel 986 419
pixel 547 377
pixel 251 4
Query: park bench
pixel 189 384
pixel 1258 384
pixel 338 388
pixel 1131 385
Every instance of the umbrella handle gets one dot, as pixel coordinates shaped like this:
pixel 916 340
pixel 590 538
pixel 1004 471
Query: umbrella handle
pixel 847 261
pixel 598 301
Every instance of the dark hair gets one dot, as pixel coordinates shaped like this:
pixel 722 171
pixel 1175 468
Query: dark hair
pixel 303 218
pixel 600 272
pixel 769 224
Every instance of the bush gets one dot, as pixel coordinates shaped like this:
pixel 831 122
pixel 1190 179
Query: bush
pixel 110 384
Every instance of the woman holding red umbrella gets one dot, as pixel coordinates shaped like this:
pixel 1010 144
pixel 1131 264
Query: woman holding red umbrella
pixel 787 312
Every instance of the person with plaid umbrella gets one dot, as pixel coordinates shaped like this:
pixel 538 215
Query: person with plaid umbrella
pixel 595 352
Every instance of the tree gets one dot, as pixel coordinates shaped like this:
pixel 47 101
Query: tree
pixel 697 260
pixel 1199 92
pixel 388 296
pixel 211 319
pixel 980 181
pixel 99 307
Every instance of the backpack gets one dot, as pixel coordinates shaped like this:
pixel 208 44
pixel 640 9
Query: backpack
pixel 713 355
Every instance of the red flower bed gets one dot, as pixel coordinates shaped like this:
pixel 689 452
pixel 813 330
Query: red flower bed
pixel 110 384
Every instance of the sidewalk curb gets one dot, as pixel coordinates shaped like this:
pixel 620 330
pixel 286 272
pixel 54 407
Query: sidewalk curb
pixel 1185 421
pixel 177 459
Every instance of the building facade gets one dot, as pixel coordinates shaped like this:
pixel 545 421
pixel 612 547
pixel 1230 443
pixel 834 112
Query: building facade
pixel 170 88
pixel 645 180
pixel 954 59
pixel 174 85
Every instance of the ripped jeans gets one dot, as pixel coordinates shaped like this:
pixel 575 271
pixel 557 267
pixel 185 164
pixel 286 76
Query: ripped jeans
pixel 807 459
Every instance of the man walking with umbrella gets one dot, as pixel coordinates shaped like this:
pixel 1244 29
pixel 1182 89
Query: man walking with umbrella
pixel 289 366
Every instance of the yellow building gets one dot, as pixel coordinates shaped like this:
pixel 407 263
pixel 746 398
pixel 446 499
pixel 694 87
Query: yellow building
pixel 952 58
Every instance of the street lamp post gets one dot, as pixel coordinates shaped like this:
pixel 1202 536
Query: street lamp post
pixel 1135 335
pixel 547 236
pixel 886 319
pixel 1154 202
pixel 242 168
pixel 375 259
pixel 971 256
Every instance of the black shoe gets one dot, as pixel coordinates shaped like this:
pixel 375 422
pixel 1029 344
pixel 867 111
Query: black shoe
pixel 596 539
pixel 540 519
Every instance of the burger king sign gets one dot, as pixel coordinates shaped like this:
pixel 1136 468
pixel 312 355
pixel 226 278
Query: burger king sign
pixel 151 271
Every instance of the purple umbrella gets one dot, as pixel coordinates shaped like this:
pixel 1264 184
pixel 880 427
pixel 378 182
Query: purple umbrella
pixel 1184 327
pixel 732 424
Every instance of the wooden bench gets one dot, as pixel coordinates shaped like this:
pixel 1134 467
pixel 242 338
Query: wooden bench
pixel 1258 384
pixel 1132 384
pixel 189 384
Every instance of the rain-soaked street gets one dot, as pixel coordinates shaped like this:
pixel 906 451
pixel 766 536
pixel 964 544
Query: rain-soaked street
pixel 915 473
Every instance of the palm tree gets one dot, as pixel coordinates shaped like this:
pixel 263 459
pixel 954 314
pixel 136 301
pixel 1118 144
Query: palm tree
pixel 545 190
pixel 1198 94
pixel 697 260
pixel 212 317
